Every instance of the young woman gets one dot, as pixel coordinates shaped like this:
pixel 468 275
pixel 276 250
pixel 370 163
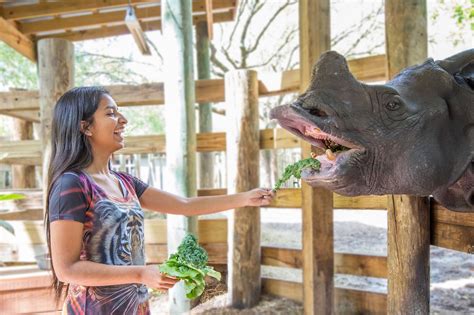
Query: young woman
pixel 94 216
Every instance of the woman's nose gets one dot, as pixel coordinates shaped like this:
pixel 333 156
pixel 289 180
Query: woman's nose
pixel 123 119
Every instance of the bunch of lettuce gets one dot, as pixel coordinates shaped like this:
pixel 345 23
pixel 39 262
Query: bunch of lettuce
pixel 189 264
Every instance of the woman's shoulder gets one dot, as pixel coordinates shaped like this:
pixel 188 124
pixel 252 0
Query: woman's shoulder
pixel 71 179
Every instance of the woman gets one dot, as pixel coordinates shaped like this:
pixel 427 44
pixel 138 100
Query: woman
pixel 94 217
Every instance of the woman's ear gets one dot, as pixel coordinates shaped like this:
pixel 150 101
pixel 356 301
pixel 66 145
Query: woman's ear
pixel 85 128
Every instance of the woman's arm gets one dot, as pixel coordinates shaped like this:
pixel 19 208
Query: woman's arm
pixel 161 201
pixel 66 243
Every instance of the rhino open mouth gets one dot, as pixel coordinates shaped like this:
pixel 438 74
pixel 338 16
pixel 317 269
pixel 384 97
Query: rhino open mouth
pixel 337 150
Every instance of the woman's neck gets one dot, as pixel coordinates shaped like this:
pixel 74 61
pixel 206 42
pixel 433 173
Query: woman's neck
pixel 100 164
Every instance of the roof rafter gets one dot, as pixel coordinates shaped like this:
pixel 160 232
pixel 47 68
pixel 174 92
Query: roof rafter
pixel 62 7
pixel 108 31
pixel 15 39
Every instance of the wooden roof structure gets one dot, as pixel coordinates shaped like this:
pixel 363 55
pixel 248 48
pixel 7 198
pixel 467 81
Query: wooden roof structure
pixel 22 23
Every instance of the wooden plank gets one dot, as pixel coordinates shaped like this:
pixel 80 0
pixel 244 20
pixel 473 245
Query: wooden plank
pixel 157 253
pixel 456 237
pixel 210 231
pixel 440 214
pixel 16 40
pixel 118 30
pixel 353 264
pixel 30 301
pixel 347 301
pixel 207 90
pixel 242 155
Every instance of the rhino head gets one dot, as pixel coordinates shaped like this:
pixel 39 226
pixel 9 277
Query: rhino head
pixel 413 135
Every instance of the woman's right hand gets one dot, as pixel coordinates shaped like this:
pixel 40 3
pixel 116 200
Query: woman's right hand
pixel 154 279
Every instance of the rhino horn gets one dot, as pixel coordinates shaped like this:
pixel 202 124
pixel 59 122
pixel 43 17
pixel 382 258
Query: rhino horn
pixel 331 70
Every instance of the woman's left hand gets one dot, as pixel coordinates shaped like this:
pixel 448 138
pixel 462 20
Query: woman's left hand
pixel 258 197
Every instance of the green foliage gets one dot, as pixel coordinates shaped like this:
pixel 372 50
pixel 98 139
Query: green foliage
pixel 7 226
pixel 189 264
pixel 15 70
pixel 295 170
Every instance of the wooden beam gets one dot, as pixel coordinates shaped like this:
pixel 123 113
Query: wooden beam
pixel 408 254
pixel 108 31
pixel 242 156
pixel 317 203
pixel 408 216
pixel 207 90
pixel 46 8
pixel 23 175
pixel 16 40
pixel 145 14
pixel 209 18
pixel 352 264
pixel 347 301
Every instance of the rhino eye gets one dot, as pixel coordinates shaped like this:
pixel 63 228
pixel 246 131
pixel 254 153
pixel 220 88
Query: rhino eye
pixel 318 112
pixel 392 105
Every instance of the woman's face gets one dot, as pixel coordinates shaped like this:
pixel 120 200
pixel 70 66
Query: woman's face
pixel 106 130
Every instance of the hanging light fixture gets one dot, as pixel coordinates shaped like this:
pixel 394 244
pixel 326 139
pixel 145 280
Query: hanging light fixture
pixel 133 25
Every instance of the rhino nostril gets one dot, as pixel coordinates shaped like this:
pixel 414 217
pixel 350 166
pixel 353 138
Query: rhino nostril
pixel 318 112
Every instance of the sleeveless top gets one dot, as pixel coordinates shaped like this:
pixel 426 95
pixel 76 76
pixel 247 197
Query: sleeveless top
pixel 113 234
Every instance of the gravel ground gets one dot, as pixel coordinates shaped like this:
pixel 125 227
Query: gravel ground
pixel 359 232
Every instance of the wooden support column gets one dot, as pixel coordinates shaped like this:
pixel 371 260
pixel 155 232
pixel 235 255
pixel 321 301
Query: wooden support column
pixel 242 140
pixel 408 216
pixel 206 159
pixel 23 175
pixel 317 205
pixel 56 76
pixel 180 124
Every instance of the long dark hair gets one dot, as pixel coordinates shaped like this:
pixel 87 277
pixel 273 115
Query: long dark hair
pixel 70 148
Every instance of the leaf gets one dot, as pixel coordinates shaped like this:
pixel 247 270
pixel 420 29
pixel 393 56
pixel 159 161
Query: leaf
pixel 11 197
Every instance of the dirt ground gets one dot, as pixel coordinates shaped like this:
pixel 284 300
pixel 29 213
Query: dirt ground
pixel 361 232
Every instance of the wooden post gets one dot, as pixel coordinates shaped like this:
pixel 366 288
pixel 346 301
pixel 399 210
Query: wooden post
pixel 56 76
pixel 408 216
pixel 317 207
pixel 180 130
pixel 242 139
pixel 23 175
pixel 206 159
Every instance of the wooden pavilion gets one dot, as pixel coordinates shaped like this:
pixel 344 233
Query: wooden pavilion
pixel 44 31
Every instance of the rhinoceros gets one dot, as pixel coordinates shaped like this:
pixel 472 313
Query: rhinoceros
pixel 412 135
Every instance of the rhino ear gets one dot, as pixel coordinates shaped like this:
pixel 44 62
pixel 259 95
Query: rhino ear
pixel 460 195
pixel 457 63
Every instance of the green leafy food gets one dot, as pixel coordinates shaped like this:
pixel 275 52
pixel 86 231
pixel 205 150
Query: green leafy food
pixel 189 264
pixel 295 170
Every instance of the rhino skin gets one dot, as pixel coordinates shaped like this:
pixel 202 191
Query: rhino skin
pixel 413 135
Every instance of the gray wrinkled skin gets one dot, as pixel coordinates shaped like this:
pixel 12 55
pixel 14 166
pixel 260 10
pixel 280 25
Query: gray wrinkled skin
pixel 413 135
